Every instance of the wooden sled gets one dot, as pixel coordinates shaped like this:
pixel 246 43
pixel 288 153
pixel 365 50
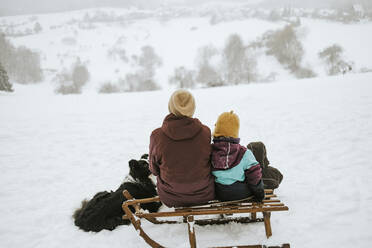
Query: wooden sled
pixel 215 212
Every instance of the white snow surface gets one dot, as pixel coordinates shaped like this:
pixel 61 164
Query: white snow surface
pixel 175 40
pixel 58 150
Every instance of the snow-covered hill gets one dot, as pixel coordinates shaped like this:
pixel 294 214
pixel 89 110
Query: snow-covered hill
pixel 57 150
pixel 175 36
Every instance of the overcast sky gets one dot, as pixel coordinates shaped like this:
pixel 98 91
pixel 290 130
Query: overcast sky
pixel 14 7
pixel 41 6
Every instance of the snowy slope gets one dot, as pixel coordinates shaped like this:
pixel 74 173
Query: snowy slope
pixel 57 150
pixel 175 40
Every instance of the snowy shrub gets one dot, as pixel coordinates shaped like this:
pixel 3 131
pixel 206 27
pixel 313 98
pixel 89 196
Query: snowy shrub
pixel 182 78
pixel 32 18
pixel 37 28
pixel 108 88
pixel 274 15
pixel 286 12
pixel 208 76
pixel 348 13
pixel 302 72
pixel 269 78
pixel 148 85
pixel 68 89
pixel 71 81
pixel 365 70
pixel 4 80
pixel 139 82
pixel 117 53
pixel 101 16
pixel 130 82
pixel 65 85
pixel 205 54
pixel 214 19
pixel 69 41
pixel 80 74
pixel 63 76
pixel 332 57
pixel 86 25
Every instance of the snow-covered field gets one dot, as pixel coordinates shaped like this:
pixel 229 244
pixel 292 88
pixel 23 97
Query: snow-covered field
pixel 57 150
pixel 64 36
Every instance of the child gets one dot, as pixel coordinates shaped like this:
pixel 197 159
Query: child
pixel 237 173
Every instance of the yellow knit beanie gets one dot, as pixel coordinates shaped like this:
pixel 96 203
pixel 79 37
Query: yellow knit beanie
pixel 227 125
pixel 182 103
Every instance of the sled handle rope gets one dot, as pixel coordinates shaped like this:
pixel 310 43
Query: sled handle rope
pixel 224 211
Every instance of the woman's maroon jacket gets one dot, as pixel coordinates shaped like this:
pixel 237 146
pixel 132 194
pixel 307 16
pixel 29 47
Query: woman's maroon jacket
pixel 180 158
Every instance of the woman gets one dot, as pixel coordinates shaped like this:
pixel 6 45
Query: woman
pixel 180 155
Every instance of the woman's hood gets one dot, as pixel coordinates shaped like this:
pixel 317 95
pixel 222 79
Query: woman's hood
pixel 181 128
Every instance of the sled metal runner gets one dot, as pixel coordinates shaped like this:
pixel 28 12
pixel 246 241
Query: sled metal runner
pixel 215 212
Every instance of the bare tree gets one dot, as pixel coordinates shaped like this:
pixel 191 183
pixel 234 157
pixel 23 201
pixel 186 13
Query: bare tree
pixel 149 61
pixel 4 80
pixel 143 78
pixel 6 52
pixel 21 64
pixel 285 46
pixel 182 78
pixel 27 66
pixel 205 54
pixel 239 66
pixel 207 74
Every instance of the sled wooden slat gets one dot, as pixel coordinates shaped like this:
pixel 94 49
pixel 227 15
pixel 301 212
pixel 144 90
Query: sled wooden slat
pixel 232 206
pixel 217 213
pixel 213 211
pixel 254 246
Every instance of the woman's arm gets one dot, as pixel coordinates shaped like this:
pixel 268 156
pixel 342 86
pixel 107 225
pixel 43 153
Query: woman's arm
pixel 153 156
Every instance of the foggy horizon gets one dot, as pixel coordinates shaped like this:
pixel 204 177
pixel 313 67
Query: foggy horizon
pixel 22 7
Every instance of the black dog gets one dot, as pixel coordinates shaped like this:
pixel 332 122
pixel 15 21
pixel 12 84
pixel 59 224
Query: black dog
pixel 104 210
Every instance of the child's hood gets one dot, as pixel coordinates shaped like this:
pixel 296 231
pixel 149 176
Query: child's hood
pixel 226 153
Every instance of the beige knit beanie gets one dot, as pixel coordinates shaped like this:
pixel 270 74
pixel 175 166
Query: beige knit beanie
pixel 227 125
pixel 182 103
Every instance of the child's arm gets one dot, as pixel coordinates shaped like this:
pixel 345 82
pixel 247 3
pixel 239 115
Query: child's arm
pixel 253 178
pixel 258 191
pixel 253 175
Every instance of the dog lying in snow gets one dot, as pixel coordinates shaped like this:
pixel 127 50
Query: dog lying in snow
pixel 104 210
